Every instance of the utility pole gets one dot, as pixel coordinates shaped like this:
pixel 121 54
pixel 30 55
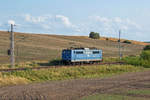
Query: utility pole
pixel 12 47
pixel 120 55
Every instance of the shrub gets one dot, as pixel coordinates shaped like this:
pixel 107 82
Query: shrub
pixel 132 60
pixel 145 55
pixel 127 41
pixel 107 39
pixel 142 60
pixel 94 35
pixel 147 47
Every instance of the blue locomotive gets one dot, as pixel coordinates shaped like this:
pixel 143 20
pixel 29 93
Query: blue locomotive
pixel 81 55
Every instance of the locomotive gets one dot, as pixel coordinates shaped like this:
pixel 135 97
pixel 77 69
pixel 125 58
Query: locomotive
pixel 81 55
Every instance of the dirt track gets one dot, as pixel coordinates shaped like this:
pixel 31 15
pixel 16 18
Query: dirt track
pixel 75 89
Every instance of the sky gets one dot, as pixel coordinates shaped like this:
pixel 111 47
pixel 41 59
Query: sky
pixel 78 17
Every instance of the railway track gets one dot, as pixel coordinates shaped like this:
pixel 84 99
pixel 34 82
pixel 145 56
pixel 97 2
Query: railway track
pixel 57 66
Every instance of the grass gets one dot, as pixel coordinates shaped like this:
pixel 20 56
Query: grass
pixel 120 97
pixel 23 65
pixel 112 97
pixel 139 92
pixel 12 80
pixel 31 64
pixel 111 59
pixel 66 73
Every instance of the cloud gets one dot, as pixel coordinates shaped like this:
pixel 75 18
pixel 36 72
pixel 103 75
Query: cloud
pixel 49 19
pixel 118 20
pixel 65 20
pixel 11 22
pixel 115 23
pixel 102 19
pixel 62 24
pixel 109 26
pixel 124 27
pixel 129 22
pixel 93 23
pixel 28 17
pixel 49 23
pixel 38 19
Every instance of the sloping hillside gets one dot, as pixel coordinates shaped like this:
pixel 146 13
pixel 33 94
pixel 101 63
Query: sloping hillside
pixel 47 47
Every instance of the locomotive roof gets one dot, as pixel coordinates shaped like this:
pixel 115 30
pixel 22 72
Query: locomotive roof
pixel 91 48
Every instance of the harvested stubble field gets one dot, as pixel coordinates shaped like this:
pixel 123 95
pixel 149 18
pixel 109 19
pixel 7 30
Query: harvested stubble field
pixel 31 47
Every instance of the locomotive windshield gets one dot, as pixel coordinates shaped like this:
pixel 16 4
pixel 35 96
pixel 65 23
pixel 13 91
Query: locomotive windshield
pixel 95 52
pixel 79 52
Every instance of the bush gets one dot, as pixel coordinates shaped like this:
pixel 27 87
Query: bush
pixel 145 55
pixel 107 39
pixel 132 60
pixel 94 35
pixel 142 60
pixel 147 47
pixel 127 41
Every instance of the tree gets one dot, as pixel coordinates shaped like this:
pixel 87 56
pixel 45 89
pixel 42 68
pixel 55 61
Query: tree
pixel 94 35
pixel 147 47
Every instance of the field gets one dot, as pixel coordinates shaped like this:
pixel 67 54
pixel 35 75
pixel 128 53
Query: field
pixel 125 89
pixel 29 47
pixel 93 82
pixel 99 83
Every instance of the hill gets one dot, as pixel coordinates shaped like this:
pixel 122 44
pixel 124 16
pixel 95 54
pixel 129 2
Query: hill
pixel 30 47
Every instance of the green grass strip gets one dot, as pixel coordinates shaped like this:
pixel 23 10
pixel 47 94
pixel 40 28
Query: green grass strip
pixel 73 72
pixel 112 97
